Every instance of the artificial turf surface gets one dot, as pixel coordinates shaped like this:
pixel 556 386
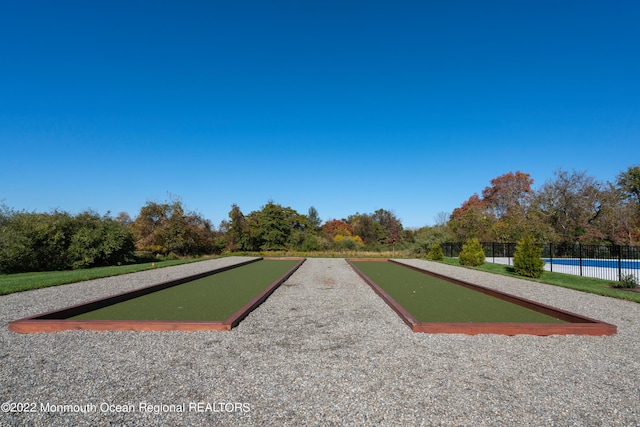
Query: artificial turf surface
pixel 211 298
pixel 431 299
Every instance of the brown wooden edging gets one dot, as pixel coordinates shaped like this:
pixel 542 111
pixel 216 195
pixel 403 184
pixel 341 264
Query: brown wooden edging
pixel 55 321
pixel 578 325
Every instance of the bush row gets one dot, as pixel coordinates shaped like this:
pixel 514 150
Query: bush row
pixel 527 260
pixel 61 241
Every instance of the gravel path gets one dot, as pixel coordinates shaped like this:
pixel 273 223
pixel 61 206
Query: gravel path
pixel 322 350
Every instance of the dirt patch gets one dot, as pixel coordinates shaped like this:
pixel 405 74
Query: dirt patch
pixel 625 289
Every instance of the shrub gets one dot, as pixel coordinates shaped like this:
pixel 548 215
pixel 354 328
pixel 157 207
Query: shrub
pixel 472 254
pixel 435 253
pixel 99 241
pixel 358 240
pixel 627 281
pixel 60 241
pixel 16 251
pixel 527 260
pixel 313 243
pixel 350 243
pixel 144 256
pixel 171 257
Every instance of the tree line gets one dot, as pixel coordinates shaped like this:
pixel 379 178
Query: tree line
pixel 571 207
pixel 275 227
pixel 31 241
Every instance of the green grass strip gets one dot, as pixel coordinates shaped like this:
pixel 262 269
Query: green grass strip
pixel 10 283
pixel 570 281
pixel 430 299
pixel 210 298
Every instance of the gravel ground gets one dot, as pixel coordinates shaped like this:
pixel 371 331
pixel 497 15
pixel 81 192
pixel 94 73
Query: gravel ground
pixel 322 350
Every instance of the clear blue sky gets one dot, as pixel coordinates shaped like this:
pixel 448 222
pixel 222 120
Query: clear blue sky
pixel 346 106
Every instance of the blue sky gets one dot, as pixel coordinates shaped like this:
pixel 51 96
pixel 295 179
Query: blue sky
pixel 345 106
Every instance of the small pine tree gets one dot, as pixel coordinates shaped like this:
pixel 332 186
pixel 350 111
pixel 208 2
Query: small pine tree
pixel 435 253
pixel 472 254
pixel 527 260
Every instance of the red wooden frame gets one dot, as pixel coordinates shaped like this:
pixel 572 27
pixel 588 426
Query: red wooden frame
pixel 577 324
pixel 55 321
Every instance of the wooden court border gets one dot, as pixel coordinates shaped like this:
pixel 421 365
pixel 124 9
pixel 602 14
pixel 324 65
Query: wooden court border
pixel 578 325
pixel 58 320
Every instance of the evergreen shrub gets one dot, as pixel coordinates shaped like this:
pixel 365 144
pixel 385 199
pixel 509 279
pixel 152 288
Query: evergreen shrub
pixel 527 260
pixel 435 253
pixel 472 254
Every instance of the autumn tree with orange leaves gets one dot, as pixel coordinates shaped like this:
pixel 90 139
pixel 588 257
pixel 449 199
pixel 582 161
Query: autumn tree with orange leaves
pixel 572 207
pixel 508 195
pixel 500 215
pixel 471 219
pixel 336 227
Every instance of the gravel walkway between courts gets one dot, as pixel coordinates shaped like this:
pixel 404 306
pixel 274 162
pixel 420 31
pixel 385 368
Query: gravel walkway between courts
pixel 322 350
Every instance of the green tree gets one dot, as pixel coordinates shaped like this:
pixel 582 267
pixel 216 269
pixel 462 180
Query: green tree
pixel 99 241
pixel 271 228
pixel 149 227
pixel 390 225
pixel 366 227
pixel 166 228
pixel 274 227
pixel 314 220
pixel 235 229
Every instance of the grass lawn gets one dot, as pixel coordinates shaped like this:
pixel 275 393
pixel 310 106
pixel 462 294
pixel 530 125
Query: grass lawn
pixel 585 284
pixel 10 283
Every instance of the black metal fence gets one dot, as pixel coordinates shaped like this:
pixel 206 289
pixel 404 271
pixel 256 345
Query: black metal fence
pixel 609 262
